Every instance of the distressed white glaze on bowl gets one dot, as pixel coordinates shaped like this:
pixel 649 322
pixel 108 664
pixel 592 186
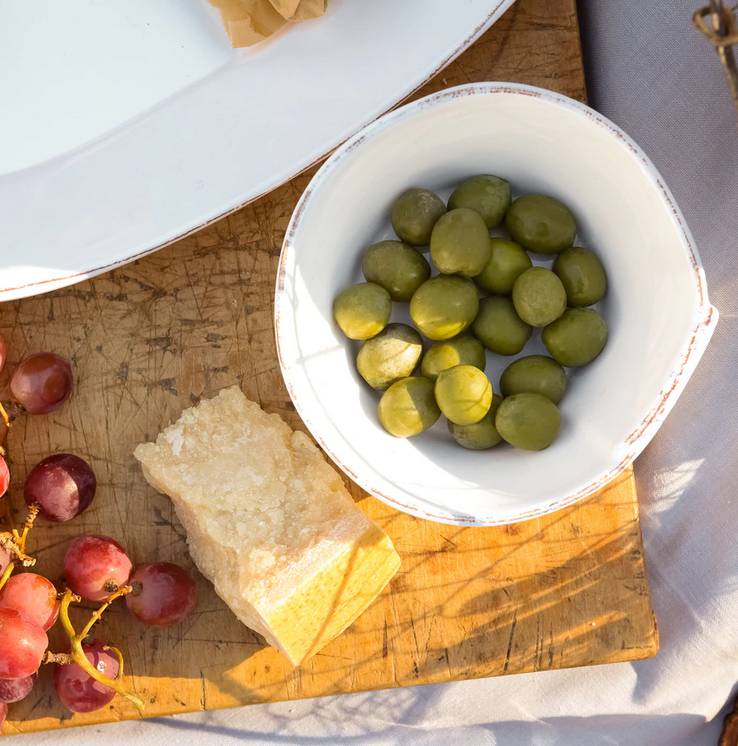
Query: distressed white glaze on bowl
pixel 657 308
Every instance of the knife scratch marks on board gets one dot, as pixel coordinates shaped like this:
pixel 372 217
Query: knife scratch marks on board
pixel 510 642
pixel 446 539
pixel 428 636
pixel 168 385
pixel 160 520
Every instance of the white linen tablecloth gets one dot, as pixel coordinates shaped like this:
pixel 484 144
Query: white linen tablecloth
pixel 651 72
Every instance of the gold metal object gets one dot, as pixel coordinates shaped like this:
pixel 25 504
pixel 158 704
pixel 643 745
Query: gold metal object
pixel 723 33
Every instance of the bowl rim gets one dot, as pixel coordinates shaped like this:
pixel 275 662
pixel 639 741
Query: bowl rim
pixel 624 453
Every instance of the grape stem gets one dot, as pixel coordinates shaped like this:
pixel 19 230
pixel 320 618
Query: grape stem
pixel 7 421
pixel 77 655
pixel 10 541
pixel 64 659
pixel 15 543
pixel 95 617
pixel 120 658
pixel 8 418
pixel 33 511
pixel 6 574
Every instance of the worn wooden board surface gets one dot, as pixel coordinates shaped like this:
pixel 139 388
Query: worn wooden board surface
pixel 150 338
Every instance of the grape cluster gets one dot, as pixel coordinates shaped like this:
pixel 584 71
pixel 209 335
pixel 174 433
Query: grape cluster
pixel 96 567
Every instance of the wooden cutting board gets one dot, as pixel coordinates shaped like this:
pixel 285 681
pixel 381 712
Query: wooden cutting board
pixel 151 338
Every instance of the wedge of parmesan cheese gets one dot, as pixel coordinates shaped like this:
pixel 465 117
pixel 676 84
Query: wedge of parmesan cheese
pixel 269 522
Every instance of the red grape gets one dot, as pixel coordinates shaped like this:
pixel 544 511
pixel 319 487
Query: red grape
pixel 63 485
pixel 77 690
pixel 163 594
pixel 3 354
pixel 91 562
pixel 33 595
pixel 22 644
pixel 4 476
pixel 14 690
pixel 42 382
pixel 3 714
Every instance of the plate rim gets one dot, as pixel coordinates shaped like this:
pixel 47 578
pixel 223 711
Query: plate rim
pixel 626 452
pixel 54 283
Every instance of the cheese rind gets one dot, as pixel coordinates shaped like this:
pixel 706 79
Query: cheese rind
pixel 269 522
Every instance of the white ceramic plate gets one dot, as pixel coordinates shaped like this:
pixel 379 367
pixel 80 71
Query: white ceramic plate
pixel 128 124
pixel 657 309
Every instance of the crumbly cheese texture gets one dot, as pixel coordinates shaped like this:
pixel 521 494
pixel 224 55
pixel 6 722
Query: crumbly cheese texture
pixel 269 522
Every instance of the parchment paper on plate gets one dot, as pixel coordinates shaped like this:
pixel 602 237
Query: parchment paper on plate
pixel 248 22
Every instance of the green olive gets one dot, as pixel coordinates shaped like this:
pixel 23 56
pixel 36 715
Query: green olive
pixel 528 421
pixel 464 394
pixel 390 356
pixel 478 435
pixel 534 374
pixel 487 195
pixel 499 328
pixel 540 223
pixel 538 296
pixel 460 243
pixel 576 338
pixel 408 407
pixel 507 262
pixel 414 214
pixel 451 352
pixel 362 310
pixel 397 267
pixel 582 275
pixel 444 306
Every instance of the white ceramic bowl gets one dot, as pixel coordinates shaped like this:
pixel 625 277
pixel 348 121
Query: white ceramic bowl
pixel 657 309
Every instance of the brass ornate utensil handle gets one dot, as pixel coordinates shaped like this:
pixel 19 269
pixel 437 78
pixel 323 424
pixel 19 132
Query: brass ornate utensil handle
pixel 723 33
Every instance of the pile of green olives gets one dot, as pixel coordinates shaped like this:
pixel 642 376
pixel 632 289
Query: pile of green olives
pixel 487 297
